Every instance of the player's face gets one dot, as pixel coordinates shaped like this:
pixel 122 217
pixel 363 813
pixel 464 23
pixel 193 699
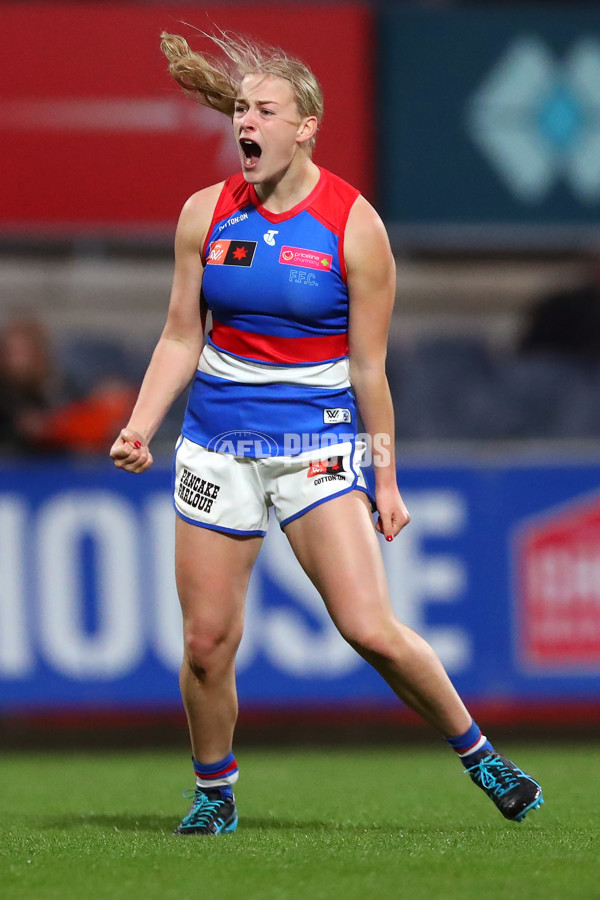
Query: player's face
pixel 268 128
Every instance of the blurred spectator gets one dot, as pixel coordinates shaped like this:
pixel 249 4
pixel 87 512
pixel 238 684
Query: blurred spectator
pixel 38 413
pixel 29 384
pixel 88 425
pixel 566 324
pixel 551 386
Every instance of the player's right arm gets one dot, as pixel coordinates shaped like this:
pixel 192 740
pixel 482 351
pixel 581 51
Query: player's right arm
pixel 175 358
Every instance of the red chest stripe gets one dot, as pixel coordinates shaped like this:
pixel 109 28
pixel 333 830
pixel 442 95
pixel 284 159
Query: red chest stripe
pixel 282 350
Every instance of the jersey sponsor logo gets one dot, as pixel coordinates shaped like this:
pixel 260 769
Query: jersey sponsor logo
pixel 197 492
pixel 233 221
pixel 309 259
pixel 269 237
pixel 333 466
pixel 231 253
pixel 333 416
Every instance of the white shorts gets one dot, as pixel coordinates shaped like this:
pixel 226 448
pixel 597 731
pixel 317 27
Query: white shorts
pixel 235 493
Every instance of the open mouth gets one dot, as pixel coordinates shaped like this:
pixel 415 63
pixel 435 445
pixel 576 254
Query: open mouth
pixel 250 151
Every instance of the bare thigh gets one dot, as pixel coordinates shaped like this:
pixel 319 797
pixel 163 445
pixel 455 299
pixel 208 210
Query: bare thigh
pixel 212 571
pixel 337 546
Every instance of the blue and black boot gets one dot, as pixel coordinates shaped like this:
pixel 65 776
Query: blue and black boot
pixel 210 813
pixel 513 792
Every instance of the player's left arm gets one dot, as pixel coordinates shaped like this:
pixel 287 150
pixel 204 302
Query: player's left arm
pixel 371 274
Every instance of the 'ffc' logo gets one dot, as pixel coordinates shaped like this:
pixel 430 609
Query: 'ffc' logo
pixel 327 467
pixel 231 253
pixel 299 276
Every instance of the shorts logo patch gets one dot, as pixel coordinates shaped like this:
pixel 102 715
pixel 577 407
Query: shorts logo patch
pixel 333 416
pixel 334 466
pixel 197 492
pixel 308 259
pixel 231 253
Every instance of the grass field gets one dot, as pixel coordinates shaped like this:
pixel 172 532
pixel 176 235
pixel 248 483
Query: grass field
pixel 349 824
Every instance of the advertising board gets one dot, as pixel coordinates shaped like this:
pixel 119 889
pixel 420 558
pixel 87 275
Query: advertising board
pixel 489 115
pixel 95 136
pixel 497 570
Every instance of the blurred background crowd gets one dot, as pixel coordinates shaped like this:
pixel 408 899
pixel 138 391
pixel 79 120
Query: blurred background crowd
pixel 70 391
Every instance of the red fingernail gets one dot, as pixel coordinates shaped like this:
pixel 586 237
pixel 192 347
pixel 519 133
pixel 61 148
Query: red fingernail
pixel 389 537
pixel 137 444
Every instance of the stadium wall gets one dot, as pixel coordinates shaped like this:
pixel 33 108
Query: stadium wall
pixel 499 570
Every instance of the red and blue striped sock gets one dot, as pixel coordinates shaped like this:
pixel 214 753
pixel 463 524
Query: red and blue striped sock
pixel 221 774
pixel 470 743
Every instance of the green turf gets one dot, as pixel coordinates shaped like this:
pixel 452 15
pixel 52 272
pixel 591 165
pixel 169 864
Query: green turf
pixel 348 824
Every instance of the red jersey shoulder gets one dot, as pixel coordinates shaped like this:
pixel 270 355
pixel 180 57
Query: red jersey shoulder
pixel 235 194
pixel 333 202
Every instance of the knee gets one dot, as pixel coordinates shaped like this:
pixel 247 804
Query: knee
pixel 207 648
pixel 380 640
pixel 367 638
pixel 390 643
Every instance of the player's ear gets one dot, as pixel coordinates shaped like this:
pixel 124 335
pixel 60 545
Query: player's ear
pixel 307 129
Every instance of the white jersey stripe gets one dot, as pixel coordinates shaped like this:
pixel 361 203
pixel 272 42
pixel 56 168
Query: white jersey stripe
pixel 223 365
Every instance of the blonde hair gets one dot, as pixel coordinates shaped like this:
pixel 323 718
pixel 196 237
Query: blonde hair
pixel 215 83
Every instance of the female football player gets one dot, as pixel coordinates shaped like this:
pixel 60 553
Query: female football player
pixel 296 269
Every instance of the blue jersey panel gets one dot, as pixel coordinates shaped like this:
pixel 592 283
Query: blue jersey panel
pixel 294 417
pixel 292 287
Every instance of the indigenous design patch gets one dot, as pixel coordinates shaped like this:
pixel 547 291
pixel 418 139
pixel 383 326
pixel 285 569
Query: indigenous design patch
pixel 333 466
pixel 231 253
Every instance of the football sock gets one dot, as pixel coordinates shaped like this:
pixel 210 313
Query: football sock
pixel 222 774
pixel 470 743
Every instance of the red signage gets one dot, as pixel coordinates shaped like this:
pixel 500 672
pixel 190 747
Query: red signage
pixel 95 135
pixel 558 590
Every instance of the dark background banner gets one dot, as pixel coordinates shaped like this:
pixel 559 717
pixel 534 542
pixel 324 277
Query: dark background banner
pixel 490 115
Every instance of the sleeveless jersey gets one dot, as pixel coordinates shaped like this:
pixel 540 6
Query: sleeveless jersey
pixel 275 366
